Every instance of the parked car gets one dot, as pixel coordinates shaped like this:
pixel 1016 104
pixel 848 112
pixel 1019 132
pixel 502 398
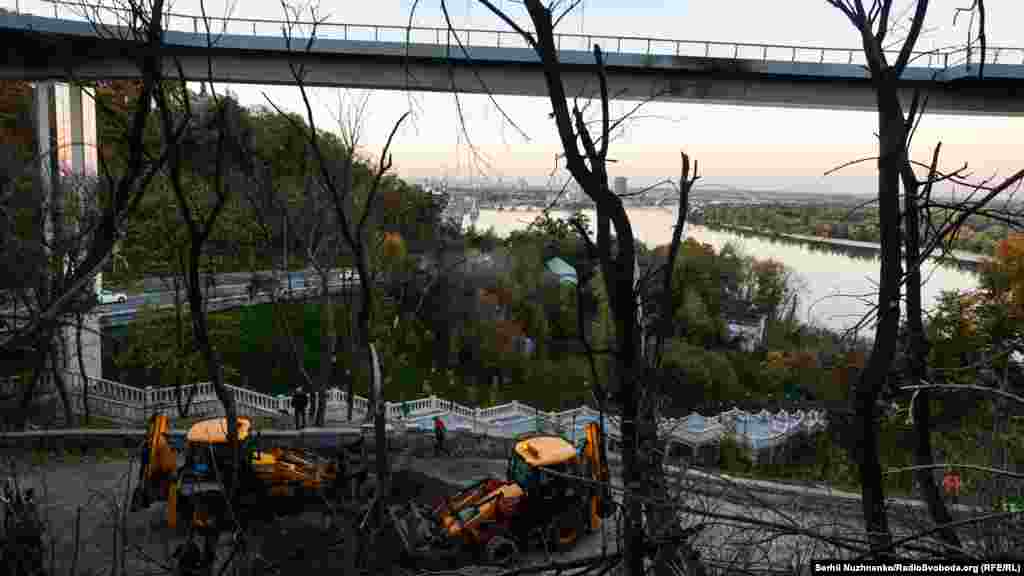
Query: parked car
pixel 110 297
pixel 349 276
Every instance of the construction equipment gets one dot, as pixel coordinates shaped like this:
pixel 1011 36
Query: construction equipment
pixel 552 489
pixel 21 544
pixel 195 492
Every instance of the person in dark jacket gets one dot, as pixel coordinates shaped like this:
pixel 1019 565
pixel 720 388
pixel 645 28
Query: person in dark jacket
pixel 299 401
pixel 314 405
pixel 439 433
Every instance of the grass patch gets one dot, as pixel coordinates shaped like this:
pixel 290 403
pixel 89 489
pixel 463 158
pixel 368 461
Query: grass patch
pixel 39 457
pixel 101 423
pixel 75 456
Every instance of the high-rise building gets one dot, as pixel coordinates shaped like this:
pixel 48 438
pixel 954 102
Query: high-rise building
pixel 620 185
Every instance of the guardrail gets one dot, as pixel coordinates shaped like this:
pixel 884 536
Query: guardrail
pixel 443 36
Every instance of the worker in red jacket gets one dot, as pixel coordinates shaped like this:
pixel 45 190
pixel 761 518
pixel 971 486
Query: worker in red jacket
pixel 439 432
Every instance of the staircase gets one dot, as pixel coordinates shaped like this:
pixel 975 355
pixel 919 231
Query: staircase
pixel 132 406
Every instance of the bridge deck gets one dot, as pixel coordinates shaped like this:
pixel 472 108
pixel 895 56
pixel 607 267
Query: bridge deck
pixel 767 78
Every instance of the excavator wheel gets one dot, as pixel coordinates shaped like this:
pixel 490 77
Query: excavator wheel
pixel 501 550
pixel 172 507
pixel 593 506
pixel 565 530
pixel 183 513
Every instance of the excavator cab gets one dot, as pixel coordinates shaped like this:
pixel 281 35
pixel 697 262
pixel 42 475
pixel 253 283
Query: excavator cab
pixel 198 493
pixel 553 474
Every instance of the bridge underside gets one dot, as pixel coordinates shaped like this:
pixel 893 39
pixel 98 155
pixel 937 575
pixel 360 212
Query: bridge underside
pixel 49 56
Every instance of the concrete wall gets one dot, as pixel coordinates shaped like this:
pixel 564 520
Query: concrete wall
pixel 326 441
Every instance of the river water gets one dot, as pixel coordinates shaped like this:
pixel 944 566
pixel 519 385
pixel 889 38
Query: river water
pixel 836 290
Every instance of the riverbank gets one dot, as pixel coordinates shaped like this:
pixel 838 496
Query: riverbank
pixel 833 282
pixel 960 259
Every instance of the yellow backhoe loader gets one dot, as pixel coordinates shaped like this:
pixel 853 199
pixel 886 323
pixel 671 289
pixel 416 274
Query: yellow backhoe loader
pixel 552 490
pixel 195 491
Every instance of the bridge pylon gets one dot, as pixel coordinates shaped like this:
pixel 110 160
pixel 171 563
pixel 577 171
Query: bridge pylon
pixel 64 118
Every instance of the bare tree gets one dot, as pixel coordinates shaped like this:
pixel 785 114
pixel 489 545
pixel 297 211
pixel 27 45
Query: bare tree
pixel 50 292
pixel 896 130
pixel 211 146
pixel 925 235
pixel 893 129
pixel 616 256
pixel 336 176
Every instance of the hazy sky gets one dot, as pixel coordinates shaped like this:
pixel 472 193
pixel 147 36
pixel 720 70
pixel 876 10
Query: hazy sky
pixel 761 147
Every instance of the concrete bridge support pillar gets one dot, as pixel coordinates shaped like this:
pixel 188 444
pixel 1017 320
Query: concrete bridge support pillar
pixel 65 117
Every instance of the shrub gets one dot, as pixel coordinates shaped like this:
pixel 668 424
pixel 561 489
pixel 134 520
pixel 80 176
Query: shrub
pixel 734 456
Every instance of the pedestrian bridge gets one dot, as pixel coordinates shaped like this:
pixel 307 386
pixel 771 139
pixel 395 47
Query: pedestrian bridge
pixel 253 51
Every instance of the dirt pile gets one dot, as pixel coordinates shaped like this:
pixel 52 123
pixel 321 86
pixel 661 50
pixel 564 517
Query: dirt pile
pixel 301 544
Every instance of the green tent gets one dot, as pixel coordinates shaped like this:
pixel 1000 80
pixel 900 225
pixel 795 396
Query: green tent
pixel 791 392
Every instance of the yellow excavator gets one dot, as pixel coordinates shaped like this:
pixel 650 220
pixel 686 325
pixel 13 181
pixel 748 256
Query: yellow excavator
pixel 552 489
pixel 194 492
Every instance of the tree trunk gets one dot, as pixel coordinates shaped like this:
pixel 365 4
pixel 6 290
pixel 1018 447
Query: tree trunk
pixel 179 323
pixel 81 368
pixel 921 408
pixel 376 386
pixel 873 378
pixel 56 359
pixel 352 351
pixel 327 339
pixel 380 435
pixel 628 353
pixel 214 368
pixel 38 373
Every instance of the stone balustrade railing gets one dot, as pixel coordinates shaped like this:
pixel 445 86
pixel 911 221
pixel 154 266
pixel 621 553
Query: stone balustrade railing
pixel 133 404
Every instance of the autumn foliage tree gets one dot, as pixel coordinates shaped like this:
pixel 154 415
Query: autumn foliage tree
pixel 1003 276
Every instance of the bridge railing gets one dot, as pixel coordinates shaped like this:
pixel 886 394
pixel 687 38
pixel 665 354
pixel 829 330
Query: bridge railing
pixel 456 38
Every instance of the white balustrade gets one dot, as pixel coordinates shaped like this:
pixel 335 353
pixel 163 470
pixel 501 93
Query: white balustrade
pixel 759 430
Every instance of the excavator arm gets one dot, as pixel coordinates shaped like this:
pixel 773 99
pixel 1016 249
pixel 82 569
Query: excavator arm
pixel 595 467
pixel 158 464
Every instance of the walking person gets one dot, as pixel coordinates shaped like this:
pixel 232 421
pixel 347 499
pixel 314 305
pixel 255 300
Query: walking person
pixel 951 485
pixel 439 433
pixel 314 406
pixel 299 401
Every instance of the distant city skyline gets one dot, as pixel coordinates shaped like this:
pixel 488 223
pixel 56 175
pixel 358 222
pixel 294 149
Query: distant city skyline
pixel 841 185
pixel 831 185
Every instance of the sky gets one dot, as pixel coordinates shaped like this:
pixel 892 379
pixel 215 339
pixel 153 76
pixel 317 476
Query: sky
pixel 760 148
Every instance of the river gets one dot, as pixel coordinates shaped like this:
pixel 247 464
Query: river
pixel 836 290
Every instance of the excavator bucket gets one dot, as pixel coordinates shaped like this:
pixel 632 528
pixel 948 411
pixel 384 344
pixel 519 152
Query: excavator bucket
pixel 158 463
pixel 594 457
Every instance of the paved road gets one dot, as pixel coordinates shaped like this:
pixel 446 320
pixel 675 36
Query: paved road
pixel 157 293
pixel 88 489
pixel 84 495
pixel 156 284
